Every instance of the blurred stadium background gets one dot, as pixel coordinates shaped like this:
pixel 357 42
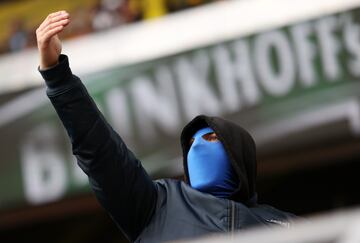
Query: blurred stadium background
pixel 288 71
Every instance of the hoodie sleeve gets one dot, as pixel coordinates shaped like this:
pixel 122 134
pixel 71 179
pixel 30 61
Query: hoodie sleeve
pixel 116 176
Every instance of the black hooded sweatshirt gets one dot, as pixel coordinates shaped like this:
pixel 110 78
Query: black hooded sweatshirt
pixel 166 209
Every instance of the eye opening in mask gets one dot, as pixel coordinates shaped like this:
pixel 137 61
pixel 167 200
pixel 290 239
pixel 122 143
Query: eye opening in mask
pixel 210 137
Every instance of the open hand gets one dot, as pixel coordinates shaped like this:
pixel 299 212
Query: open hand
pixel 48 42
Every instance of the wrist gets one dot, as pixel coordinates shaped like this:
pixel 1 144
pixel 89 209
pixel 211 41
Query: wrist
pixel 59 76
pixel 45 66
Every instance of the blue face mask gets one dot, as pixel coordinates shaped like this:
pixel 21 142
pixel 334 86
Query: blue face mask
pixel 209 167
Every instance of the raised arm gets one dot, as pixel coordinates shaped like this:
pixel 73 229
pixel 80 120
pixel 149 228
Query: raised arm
pixel 119 181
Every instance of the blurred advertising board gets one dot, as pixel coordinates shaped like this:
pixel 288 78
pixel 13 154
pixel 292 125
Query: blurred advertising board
pixel 291 87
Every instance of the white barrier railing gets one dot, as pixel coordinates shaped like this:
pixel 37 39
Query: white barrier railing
pixel 337 227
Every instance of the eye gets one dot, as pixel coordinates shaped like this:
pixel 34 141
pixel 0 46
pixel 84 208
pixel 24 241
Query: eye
pixel 211 137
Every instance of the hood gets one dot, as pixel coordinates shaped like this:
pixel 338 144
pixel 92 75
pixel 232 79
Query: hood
pixel 240 148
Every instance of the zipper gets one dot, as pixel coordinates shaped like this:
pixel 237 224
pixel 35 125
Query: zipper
pixel 232 219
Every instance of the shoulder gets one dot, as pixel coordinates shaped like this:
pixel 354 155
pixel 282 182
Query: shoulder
pixel 166 184
pixel 171 184
pixel 166 188
pixel 174 196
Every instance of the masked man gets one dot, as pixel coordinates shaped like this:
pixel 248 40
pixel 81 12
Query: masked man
pixel 218 194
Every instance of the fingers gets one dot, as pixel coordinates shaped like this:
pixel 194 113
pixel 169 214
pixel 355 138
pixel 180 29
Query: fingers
pixel 47 36
pixel 52 25
pixel 53 18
